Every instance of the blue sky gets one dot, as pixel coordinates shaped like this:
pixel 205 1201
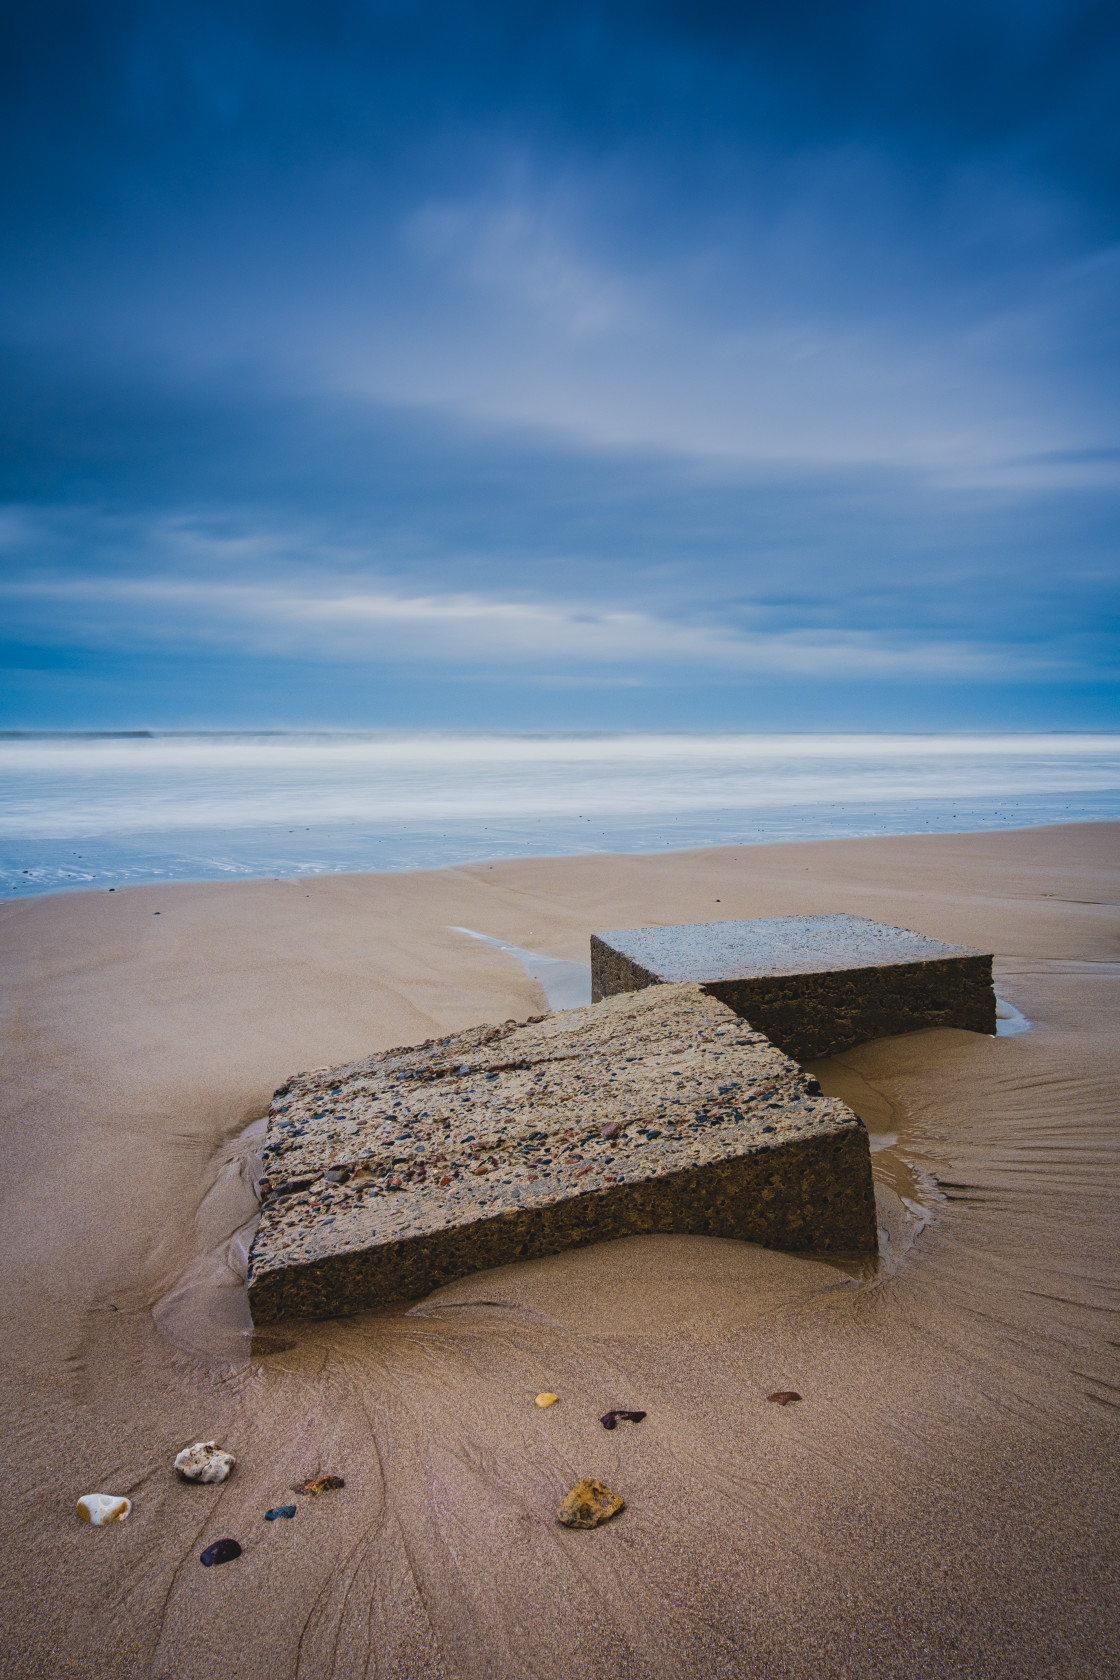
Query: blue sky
pixel 640 365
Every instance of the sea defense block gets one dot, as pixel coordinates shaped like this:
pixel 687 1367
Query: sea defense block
pixel 815 985
pixel 658 1110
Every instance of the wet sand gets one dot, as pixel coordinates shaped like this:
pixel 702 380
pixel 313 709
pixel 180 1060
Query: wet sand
pixel 943 1501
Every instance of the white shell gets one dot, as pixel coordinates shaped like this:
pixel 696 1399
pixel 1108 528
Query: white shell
pixel 204 1462
pixel 101 1508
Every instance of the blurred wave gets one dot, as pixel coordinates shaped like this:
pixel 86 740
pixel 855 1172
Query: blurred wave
pixel 99 810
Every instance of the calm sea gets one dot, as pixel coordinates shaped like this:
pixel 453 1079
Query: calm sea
pixel 82 811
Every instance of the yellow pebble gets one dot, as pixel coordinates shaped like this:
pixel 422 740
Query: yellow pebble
pixel 547 1399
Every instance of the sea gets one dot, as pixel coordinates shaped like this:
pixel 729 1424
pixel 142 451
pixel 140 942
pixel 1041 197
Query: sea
pixel 84 811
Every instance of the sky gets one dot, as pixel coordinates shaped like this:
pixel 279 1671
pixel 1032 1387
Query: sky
pixel 563 366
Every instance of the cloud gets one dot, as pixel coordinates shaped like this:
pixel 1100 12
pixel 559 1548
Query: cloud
pixel 695 279
pixel 576 342
pixel 327 619
pixel 517 252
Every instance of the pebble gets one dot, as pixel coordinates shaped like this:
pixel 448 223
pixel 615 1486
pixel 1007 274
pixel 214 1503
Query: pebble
pixel 589 1504
pixel 102 1508
pixel 204 1462
pixel 610 1420
pixel 547 1399
pixel 319 1484
pixel 784 1396
pixel 222 1551
pixel 279 1511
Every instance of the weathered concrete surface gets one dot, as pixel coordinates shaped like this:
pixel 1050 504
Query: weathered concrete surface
pixel 654 1111
pixel 815 985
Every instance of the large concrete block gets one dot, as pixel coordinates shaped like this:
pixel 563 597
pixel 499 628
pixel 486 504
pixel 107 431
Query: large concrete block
pixel 654 1111
pixel 815 985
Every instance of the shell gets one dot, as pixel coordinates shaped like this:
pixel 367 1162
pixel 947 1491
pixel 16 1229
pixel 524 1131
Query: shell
pixel 204 1462
pixel 102 1508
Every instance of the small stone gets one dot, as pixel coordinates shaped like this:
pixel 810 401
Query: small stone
pixel 610 1420
pixel 547 1399
pixel 589 1504
pixel 319 1484
pixel 102 1508
pixel 204 1462
pixel 784 1396
pixel 279 1511
pixel 222 1551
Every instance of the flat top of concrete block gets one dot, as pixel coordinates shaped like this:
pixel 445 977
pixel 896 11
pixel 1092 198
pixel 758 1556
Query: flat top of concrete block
pixel 465 1128
pixel 703 951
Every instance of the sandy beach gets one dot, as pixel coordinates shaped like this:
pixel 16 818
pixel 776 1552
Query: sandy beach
pixel 942 1501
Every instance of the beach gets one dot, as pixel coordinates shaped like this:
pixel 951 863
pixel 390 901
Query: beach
pixel 941 1501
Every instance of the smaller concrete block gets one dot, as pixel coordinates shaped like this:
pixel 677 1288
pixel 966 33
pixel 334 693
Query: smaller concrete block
pixel 815 985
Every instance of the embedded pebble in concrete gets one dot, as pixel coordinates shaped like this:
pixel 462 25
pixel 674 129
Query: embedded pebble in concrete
pixel 547 1399
pixel 279 1511
pixel 658 1110
pixel 102 1508
pixel 204 1462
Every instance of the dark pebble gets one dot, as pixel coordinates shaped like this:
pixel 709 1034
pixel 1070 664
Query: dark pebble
pixel 610 1419
pixel 222 1551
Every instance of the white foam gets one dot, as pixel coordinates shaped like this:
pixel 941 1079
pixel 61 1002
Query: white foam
pixel 1010 1022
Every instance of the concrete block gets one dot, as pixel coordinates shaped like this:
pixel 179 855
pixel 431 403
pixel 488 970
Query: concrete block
pixel 815 985
pixel 657 1110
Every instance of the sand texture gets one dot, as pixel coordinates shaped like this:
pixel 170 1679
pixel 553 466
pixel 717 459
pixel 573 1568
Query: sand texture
pixel 815 985
pixel 942 1501
pixel 657 1111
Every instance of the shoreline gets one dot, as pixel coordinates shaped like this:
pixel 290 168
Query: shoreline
pixel 941 1501
pixel 102 851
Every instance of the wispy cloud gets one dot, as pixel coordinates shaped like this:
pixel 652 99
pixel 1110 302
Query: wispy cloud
pixel 784 335
pixel 331 619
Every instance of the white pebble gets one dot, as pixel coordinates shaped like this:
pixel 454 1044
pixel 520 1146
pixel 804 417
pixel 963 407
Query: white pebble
pixel 204 1462
pixel 101 1508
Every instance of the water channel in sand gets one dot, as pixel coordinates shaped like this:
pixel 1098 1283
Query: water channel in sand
pixel 206 1312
